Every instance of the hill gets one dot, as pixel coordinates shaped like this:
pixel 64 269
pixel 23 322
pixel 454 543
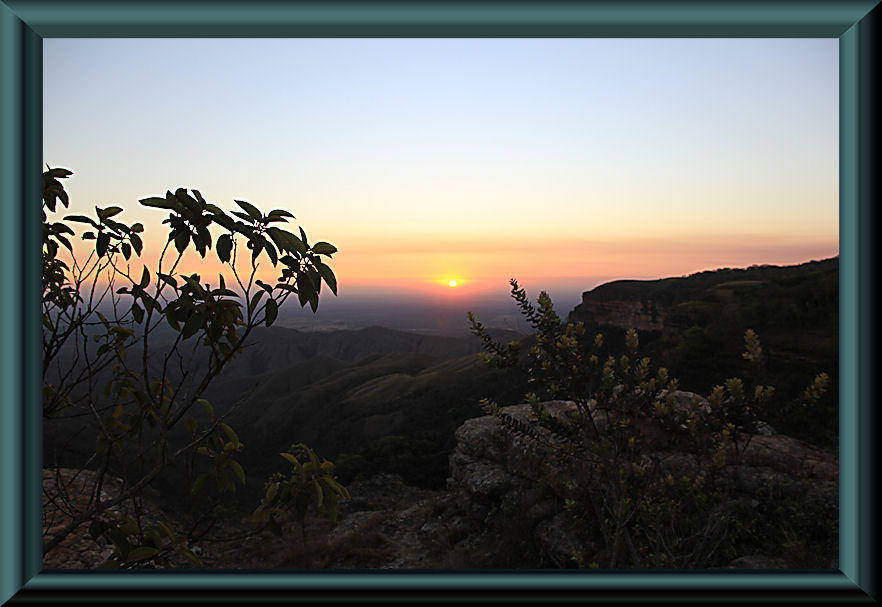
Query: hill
pixel 695 324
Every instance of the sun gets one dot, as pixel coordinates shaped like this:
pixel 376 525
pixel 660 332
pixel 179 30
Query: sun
pixel 452 283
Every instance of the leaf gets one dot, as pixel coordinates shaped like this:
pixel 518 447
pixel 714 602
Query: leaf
pixel 58 173
pixel 145 278
pixel 102 243
pixel 154 534
pixel 255 299
pixel 221 218
pixel 239 472
pixel 305 288
pixel 291 458
pixel 200 243
pixel 229 432
pixel 182 238
pixel 271 492
pixel 136 243
pixel 249 208
pixel 109 564
pixel 324 248
pixel 167 531
pixel 328 276
pixel 142 553
pixel 192 325
pixel 207 406
pixel 168 279
pixel 161 203
pixel 61 228
pixel 224 247
pixel 226 292
pixel 280 213
pixel 192 557
pixel 108 212
pixel 80 219
pixel 271 251
pixel 137 227
pixel 126 250
pixel 64 241
pixel 190 202
pixel 137 313
pixel 320 495
pixel 284 240
pixel 272 311
pixel 256 246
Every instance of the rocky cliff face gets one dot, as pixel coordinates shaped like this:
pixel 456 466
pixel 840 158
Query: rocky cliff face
pixel 757 293
pixel 639 315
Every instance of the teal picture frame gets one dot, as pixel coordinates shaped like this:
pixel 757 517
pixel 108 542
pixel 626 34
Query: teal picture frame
pixel 23 25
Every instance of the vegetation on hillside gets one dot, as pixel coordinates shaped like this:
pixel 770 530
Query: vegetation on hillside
pixel 794 308
pixel 647 478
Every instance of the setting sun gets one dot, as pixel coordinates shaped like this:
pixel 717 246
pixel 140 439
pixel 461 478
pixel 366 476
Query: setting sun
pixel 452 283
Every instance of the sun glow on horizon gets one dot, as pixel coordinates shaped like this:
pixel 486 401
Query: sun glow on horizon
pixel 561 171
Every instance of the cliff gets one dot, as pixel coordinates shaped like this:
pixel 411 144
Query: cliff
pixel 743 293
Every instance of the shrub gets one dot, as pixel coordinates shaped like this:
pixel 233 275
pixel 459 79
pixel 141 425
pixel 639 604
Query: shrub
pixel 104 360
pixel 643 474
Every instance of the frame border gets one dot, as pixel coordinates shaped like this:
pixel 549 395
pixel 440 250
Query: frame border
pixel 23 25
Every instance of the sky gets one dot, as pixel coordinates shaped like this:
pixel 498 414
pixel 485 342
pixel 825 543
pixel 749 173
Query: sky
pixel 562 162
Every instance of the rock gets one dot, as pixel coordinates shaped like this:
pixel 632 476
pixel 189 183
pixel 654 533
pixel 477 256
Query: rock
pixel 374 493
pixel 487 480
pixel 764 429
pixel 494 467
pixel 558 541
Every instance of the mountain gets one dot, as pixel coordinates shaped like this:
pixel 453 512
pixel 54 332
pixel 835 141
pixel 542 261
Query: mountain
pixel 280 351
pixel 393 412
pixel 373 393
pixel 381 400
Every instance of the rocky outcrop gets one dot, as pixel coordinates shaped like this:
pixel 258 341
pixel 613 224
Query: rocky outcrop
pixel 494 470
pixel 493 515
pixel 638 315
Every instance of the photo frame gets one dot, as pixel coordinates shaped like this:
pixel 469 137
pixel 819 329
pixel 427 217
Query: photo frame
pixel 23 25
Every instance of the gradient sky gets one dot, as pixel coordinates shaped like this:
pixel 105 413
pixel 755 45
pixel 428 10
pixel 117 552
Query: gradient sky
pixel 564 162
